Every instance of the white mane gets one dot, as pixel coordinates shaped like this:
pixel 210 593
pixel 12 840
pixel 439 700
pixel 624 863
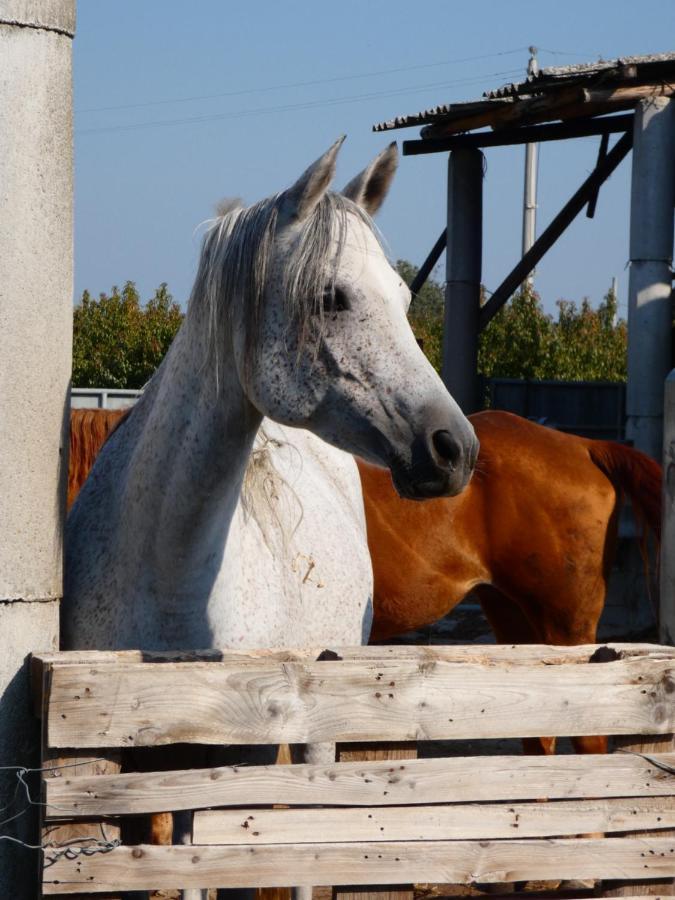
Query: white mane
pixel 235 259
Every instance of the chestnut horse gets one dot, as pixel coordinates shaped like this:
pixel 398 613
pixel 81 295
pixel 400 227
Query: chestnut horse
pixel 533 536
pixel 89 430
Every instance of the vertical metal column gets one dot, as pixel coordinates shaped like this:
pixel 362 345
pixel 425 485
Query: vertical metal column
pixel 650 281
pixel 530 201
pixel 667 575
pixel 463 275
pixel 36 296
pixel 530 185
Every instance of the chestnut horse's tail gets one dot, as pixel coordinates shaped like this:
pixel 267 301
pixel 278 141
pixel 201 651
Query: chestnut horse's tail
pixel 636 476
pixel 89 430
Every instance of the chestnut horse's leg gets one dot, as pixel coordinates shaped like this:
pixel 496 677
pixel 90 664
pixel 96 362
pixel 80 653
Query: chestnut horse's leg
pixel 569 619
pixel 511 626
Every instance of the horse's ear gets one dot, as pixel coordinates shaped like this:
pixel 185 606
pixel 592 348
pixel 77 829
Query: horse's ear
pixel 298 201
pixel 371 186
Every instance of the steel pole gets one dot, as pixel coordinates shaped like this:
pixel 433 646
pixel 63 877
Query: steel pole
pixel 463 277
pixel 530 182
pixel 530 201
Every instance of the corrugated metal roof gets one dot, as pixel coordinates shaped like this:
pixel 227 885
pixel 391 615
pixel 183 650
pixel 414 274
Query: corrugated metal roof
pixel 625 70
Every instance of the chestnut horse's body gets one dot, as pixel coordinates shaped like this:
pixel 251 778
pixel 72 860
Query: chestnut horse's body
pixel 533 537
pixel 534 534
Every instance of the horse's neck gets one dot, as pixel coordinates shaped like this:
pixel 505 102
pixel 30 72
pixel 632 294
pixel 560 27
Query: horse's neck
pixel 191 449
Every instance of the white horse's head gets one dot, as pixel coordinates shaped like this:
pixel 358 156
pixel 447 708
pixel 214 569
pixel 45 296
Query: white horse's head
pixel 318 328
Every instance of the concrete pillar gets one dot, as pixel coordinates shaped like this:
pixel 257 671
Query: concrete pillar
pixel 463 275
pixel 36 228
pixel 667 556
pixel 650 281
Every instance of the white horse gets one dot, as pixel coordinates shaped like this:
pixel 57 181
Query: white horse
pixel 296 315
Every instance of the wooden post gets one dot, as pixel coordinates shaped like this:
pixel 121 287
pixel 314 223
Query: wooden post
pixel 393 750
pixel 463 267
pixel 667 579
pixel 77 762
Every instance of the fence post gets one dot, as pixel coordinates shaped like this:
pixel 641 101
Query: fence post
pixel 667 575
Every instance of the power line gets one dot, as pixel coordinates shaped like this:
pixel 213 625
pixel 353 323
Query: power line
pixel 290 107
pixel 298 84
pixel 558 52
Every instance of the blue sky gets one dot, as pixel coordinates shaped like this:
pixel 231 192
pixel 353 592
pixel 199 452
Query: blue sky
pixel 179 104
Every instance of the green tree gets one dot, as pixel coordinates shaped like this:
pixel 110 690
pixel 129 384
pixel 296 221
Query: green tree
pixel 523 341
pixel 518 341
pixel 589 344
pixel 117 342
pixel 582 344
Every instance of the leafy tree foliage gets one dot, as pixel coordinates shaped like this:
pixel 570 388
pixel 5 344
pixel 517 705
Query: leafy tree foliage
pixel 117 341
pixel 522 341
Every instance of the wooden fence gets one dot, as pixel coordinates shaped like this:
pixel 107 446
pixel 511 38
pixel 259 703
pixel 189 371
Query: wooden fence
pixel 442 820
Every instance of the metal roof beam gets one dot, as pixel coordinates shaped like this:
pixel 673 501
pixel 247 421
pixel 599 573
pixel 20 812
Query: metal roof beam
pixel 534 134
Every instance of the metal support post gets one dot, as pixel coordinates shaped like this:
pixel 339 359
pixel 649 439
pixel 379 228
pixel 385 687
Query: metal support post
pixel 463 268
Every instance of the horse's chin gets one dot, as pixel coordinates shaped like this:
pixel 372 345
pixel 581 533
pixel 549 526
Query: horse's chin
pixel 442 483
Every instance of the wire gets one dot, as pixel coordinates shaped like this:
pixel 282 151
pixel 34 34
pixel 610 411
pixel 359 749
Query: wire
pixel 289 107
pixel 72 848
pixel 297 84
pixel 557 52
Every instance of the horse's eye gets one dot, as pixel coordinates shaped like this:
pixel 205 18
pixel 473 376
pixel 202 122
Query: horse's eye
pixel 335 300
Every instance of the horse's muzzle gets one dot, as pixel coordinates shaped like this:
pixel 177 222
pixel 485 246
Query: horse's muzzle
pixel 440 467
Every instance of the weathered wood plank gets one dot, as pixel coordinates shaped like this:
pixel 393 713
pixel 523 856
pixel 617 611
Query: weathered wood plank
pixel 460 862
pixel 650 745
pixel 270 702
pixel 473 821
pixel 452 780
pixel 547 654
pixel 55 765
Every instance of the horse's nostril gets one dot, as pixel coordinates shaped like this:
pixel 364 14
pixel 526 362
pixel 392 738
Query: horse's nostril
pixel 447 447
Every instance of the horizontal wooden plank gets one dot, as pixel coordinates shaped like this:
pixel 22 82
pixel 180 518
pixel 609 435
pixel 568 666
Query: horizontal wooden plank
pixel 399 862
pixel 547 654
pixel 553 894
pixel 455 779
pixel 458 821
pixel 270 702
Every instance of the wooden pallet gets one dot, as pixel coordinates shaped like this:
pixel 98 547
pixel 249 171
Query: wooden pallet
pixel 452 820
